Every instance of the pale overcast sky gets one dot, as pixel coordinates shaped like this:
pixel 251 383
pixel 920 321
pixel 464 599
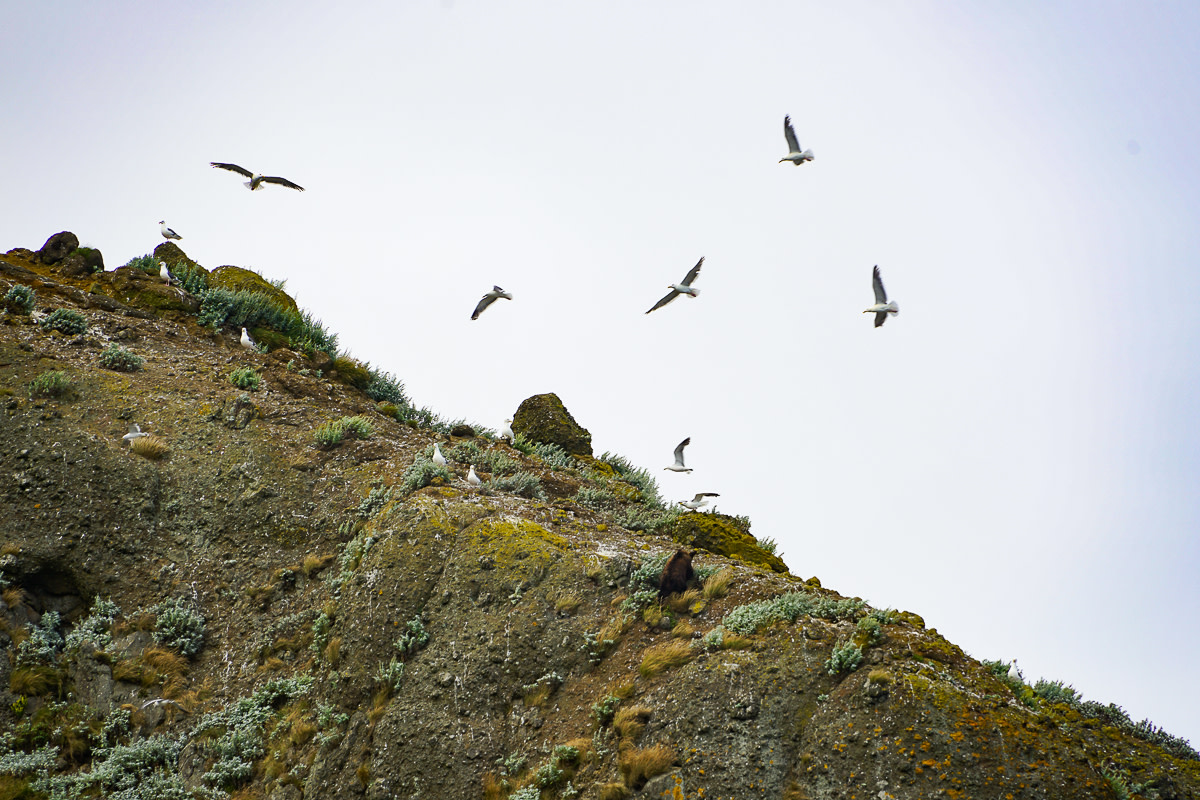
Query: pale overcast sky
pixel 1014 457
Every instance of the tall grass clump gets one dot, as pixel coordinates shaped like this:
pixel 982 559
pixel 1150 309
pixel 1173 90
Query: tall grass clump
pixel 64 320
pixel 522 484
pixel 245 378
pixel 244 308
pixel 637 477
pixel 386 388
pixel 331 434
pixel 421 474
pixel 54 383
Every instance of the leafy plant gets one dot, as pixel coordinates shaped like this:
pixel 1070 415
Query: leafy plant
pixel 54 383
pixel 120 359
pixel 421 474
pixel 414 639
pixel 522 484
pixel 245 378
pixel 178 626
pixel 66 321
pixel 44 642
pixel 846 657
pixel 19 299
pixel 147 263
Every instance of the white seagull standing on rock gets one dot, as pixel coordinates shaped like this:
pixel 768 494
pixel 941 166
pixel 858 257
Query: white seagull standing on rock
pixel 678 465
pixel 685 287
pixel 1013 672
pixel 882 307
pixel 247 342
pixel 167 232
pixel 438 458
pixel 795 154
pixel 495 294
pixel 134 433
pixel 698 501
pixel 163 273
pixel 256 179
pixel 473 479
pixel 507 432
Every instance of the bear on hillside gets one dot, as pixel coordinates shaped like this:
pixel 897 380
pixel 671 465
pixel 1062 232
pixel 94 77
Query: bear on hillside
pixel 676 573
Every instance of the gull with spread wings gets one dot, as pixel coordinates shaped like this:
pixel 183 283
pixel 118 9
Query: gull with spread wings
pixel 882 307
pixel 256 179
pixel 795 154
pixel 684 287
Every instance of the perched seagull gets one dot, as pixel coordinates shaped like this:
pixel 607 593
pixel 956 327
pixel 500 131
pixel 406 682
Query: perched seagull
pixel 1013 672
pixel 256 180
pixel 134 433
pixel 795 154
pixel 507 432
pixel 698 501
pixel 472 478
pixel 678 465
pixel 882 307
pixel 167 232
pixel 681 288
pixel 163 273
pixel 488 299
pixel 438 458
pixel 247 342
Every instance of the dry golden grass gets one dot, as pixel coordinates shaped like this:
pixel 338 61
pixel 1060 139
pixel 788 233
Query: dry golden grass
pixel 314 564
pixel 333 652
pixel 680 603
pixel 379 703
pixel 272 664
pixel 13 596
pixel 150 447
pixel 18 633
pixel 662 657
pixel 638 765
pixel 682 630
pixel 493 789
pixel 301 732
pixel 538 697
pixel 613 791
pixel 652 615
pixel 567 605
pixel 272 767
pixel 717 584
pixel 624 691
pixel 164 662
pixel 10 549
pixel 33 681
pixel 127 670
pixel 630 722
pixel 260 594
pixel 363 773
pixel 732 641
pixel 144 622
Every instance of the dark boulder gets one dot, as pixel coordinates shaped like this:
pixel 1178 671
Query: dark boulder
pixel 58 247
pixel 544 418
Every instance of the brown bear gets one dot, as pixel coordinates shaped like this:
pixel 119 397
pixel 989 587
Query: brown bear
pixel 676 573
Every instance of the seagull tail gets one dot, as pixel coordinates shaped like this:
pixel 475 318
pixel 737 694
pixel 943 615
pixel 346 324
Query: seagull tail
pixel 893 308
pixel 694 292
pixel 250 185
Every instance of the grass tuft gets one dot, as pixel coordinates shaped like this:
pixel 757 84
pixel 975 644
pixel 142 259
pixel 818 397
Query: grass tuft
pixel 664 656
pixel 150 447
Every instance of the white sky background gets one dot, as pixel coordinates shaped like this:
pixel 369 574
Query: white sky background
pixel 1014 456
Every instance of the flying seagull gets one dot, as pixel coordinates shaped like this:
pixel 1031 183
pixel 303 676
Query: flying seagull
pixel 163 273
pixel 488 299
pixel 256 179
pixel 678 465
pixel 507 432
pixel 247 342
pixel 882 307
pixel 134 433
pixel 438 458
pixel 698 501
pixel 472 478
pixel 167 232
pixel 795 154
pixel 685 287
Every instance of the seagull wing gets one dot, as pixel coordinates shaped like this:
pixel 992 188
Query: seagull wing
pixel 283 182
pixel 679 451
pixel 790 134
pixel 134 428
pixel 693 273
pixel 487 300
pixel 232 168
pixel 877 285
pixel 671 296
pixel 880 316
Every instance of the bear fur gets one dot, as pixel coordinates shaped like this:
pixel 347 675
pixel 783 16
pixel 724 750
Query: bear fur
pixel 676 573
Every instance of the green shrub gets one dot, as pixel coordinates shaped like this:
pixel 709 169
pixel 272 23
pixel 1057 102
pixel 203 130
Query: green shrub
pixel 118 358
pixel 846 657
pixel 178 627
pixel 95 626
pixel 414 639
pixel 522 484
pixel 44 642
pixel 604 710
pixel 421 474
pixel 54 383
pixel 239 731
pixel 390 675
pixel 374 501
pixel 870 629
pixel 66 321
pixel 19 299
pixel 147 263
pixel 334 433
pixel 637 477
pixel 768 544
pixel 385 388
pixel 245 378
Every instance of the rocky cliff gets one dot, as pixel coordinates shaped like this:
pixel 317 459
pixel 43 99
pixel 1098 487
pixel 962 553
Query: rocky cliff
pixel 277 593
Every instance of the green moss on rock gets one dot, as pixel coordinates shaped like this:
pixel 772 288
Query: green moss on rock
pixel 351 373
pixel 544 418
pixel 721 534
pixel 173 255
pixel 236 279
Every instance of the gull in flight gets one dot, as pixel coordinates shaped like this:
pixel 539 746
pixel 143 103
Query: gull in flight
pixel 163 273
pixel 685 287
pixel 795 154
pixel 507 432
pixel 167 232
pixel 473 479
pixel 489 298
pixel 438 458
pixel 698 501
pixel 247 342
pixel 256 179
pixel 882 307
pixel 134 433
pixel 678 465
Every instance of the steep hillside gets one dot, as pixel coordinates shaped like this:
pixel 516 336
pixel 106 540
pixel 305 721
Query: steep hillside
pixel 278 594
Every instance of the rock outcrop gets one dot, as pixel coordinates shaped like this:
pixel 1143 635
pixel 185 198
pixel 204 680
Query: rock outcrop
pixel 544 418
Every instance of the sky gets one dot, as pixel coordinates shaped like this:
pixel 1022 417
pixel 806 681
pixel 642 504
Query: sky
pixel 1015 456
